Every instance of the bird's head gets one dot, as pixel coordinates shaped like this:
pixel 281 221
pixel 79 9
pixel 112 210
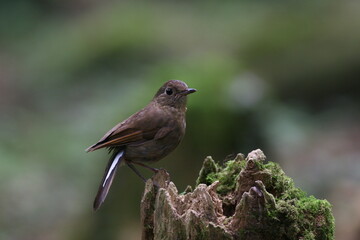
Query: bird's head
pixel 174 94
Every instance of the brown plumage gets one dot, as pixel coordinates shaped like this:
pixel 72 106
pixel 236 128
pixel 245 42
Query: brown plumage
pixel 146 136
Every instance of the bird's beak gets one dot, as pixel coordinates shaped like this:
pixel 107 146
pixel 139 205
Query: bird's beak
pixel 188 91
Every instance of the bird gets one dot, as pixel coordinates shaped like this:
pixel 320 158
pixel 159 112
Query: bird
pixel 146 136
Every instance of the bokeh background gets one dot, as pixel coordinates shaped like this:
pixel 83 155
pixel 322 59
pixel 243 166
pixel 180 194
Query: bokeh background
pixel 282 76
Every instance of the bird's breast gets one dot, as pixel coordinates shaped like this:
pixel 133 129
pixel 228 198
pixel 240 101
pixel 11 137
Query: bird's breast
pixel 158 147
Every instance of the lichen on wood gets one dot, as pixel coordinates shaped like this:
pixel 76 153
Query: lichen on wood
pixel 241 199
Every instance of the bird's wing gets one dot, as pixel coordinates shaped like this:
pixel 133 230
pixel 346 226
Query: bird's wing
pixel 119 140
pixel 138 128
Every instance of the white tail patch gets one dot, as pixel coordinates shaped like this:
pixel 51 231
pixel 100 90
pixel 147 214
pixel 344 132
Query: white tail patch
pixel 113 165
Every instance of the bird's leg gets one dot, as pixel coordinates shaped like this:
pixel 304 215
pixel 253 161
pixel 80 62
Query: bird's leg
pixel 135 171
pixel 138 173
pixel 155 170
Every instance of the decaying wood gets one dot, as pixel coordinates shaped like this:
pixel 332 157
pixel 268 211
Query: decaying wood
pixel 245 199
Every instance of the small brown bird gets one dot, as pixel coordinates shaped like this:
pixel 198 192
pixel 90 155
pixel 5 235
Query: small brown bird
pixel 146 136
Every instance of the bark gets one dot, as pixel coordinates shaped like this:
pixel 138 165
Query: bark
pixel 243 199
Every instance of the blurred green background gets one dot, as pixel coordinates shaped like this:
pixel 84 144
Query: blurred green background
pixel 282 76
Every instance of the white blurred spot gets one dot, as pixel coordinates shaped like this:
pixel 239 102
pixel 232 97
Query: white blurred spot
pixel 246 90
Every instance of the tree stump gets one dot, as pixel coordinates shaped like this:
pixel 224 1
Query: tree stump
pixel 243 199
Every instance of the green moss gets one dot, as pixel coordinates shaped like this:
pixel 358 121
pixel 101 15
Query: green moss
pixel 315 215
pixel 206 174
pixel 308 235
pixel 226 175
pixel 301 216
pixel 282 186
pixel 304 218
pixel 260 165
pixel 294 214
pixel 307 218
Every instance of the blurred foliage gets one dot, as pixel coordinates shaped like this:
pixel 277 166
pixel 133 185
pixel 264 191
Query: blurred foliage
pixel 277 75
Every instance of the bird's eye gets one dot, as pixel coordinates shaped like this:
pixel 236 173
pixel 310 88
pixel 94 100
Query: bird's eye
pixel 169 91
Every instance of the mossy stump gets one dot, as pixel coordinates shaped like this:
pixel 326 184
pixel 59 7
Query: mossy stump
pixel 243 199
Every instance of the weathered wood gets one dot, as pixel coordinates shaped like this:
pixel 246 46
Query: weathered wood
pixel 244 199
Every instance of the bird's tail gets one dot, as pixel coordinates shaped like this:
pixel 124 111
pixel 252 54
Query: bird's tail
pixel 106 181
